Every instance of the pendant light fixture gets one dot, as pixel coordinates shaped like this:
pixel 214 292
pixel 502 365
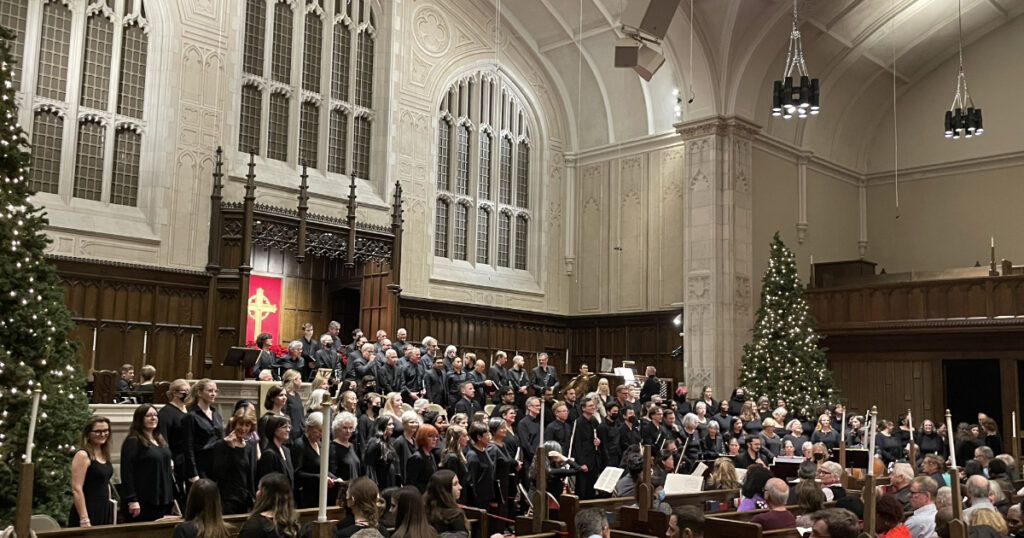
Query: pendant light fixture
pixel 802 99
pixel 963 119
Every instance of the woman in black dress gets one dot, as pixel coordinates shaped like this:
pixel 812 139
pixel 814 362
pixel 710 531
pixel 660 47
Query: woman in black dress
pixel 274 457
pixel 172 427
pixel 274 514
pixel 234 463
pixel 886 443
pixel 203 517
pixel 505 467
pixel 365 429
pixel 442 510
pixel 482 490
pixel 203 428
pixel 90 475
pixel 421 463
pixel 344 462
pixel 380 456
pixel 294 409
pixel 824 433
pixel 146 476
pixel 306 460
pixel 453 456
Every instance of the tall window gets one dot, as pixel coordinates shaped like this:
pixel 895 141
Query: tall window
pixel 282 109
pixel 476 113
pixel 90 72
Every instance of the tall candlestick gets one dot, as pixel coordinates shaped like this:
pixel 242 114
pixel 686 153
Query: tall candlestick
pixel 872 426
pixel 32 423
pixel 325 450
pixel 949 434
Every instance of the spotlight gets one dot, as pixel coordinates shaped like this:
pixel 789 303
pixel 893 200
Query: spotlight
pixel 633 52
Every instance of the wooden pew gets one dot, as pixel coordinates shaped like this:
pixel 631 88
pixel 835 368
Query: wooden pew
pixel 477 519
pixel 656 523
pixel 524 525
pixel 570 505
pixel 619 533
pixel 700 499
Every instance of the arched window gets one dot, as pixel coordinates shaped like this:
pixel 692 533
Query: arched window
pixel 283 103
pixel 476 113
pixel 90 73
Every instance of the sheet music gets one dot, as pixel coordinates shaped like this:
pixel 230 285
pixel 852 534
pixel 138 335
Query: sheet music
pixel 609 479
pixel 741 474
pixel 699 469
pixel 626 374
pixel 676 483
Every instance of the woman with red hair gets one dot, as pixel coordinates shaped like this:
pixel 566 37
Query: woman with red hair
pixel 421 463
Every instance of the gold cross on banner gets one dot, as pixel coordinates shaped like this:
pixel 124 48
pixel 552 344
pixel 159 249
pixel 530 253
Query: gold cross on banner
pixel 259 308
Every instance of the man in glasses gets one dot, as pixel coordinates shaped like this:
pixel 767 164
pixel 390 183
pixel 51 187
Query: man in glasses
pixel 922 498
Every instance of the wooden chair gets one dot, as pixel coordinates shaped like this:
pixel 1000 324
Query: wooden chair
pixel 160 392
pixel 104 382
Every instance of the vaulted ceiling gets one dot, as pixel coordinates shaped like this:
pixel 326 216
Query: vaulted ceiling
pixel 739 48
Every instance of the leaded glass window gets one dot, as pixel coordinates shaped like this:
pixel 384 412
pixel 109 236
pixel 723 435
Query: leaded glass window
pixel 124 187
pixel 462 160
pixel 505 172
pixel 483 238
pixel 99 39
pixel 255 36
pixel 311 57
pixel 277 131
pixel 14 15
pixel 443 174
pixel 89 161
pixel 361 148
pixel 47 134
pixel 338 141
pixel 309 128
pixel 504 229
pixel 53 51
pixel 281 55
pixel 522 175
pixel 132 89
pixel 484 181
pixel 459 239
pixel 441 229
pixel 249 126
pixel 521 231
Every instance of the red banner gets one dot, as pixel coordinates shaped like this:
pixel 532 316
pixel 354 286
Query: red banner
pixel 263 308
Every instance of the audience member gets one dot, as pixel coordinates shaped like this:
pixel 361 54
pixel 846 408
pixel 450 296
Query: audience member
pixel 440 500
pixel 835 523
pixel 362 501
pixel 592 523
pixel 685 522
pixel 889 517
pixel 410 516
pixel 274 514
pixel 202 517
pixel 776 493
pixel 922 499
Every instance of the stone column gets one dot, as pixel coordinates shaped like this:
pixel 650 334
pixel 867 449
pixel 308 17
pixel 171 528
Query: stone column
pixel 716 250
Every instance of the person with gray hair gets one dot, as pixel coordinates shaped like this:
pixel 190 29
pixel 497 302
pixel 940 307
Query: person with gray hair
pixel 922 498
pixel 344 456
pixel 305 455
pixel 776 494
pixel 980 494
pixel 944 498
pixel 592 523
pixel 899 480
pixel 984 454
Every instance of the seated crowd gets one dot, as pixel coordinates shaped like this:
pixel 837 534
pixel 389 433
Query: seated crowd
pixel 410 441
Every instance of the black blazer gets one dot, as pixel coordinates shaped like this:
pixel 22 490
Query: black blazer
pixel 469 407
pixel 201 433
pixel 543 378
pixel 306 463
pixel 271 461
pixel 418 470
pixel 437 392
pixel 481 478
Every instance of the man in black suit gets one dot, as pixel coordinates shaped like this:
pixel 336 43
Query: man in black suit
pixel 586 450
pixel 412 379
pixel 478 376
pixel 529 429
pixel 519 378
pixel 559 430
pixel 652 386
pixel 357 333
pixel 310 344
pixel 434 381
pixel 124 383
pixel 389 379
pixel 498 374
pixel 543 376
pixel 333 328
pixel 399 343
pixel 467 404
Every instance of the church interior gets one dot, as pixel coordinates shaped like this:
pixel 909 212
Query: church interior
pixel 488 173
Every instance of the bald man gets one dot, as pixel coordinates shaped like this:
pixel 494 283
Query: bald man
pixel 776 493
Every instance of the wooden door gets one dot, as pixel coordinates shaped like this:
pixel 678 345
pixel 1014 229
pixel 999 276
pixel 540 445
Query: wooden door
pixel 377 303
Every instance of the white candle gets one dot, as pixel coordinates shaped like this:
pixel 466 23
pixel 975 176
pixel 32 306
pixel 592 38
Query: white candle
pixel 94 338
pixel 32 424
pixel 191 340
pixel 1013 418
pixel 949 433
pixel 992 242
pixel 325 450
pixel 842 429
pixel 872 426
pixel 910 420
pixel 145 340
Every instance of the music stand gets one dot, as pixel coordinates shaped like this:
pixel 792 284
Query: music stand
pixel 856 458
pixel 245 357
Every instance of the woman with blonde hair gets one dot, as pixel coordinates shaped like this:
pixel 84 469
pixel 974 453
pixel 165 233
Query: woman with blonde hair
pixel 604 391
pixel 234 464
pixel 453 457
pixel 314 401
pixel 751 419
pixel 988 517
pixel 769 439
pixel 291 381
pixel 823 432
pixel 723 475
pixel 203 426
pixel 91 470
pixel 392 408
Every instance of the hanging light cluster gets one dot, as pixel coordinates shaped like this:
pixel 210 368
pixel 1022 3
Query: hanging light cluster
pixel 963 119
pixel 789 100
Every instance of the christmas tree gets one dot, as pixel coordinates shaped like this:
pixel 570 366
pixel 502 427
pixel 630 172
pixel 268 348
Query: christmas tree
pixel 34 324
pixel 783 361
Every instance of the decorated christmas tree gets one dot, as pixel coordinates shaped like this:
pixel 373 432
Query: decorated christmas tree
pixel 34 326
pixel 783 361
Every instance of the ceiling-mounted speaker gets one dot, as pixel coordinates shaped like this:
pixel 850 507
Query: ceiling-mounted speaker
pixel 650 17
